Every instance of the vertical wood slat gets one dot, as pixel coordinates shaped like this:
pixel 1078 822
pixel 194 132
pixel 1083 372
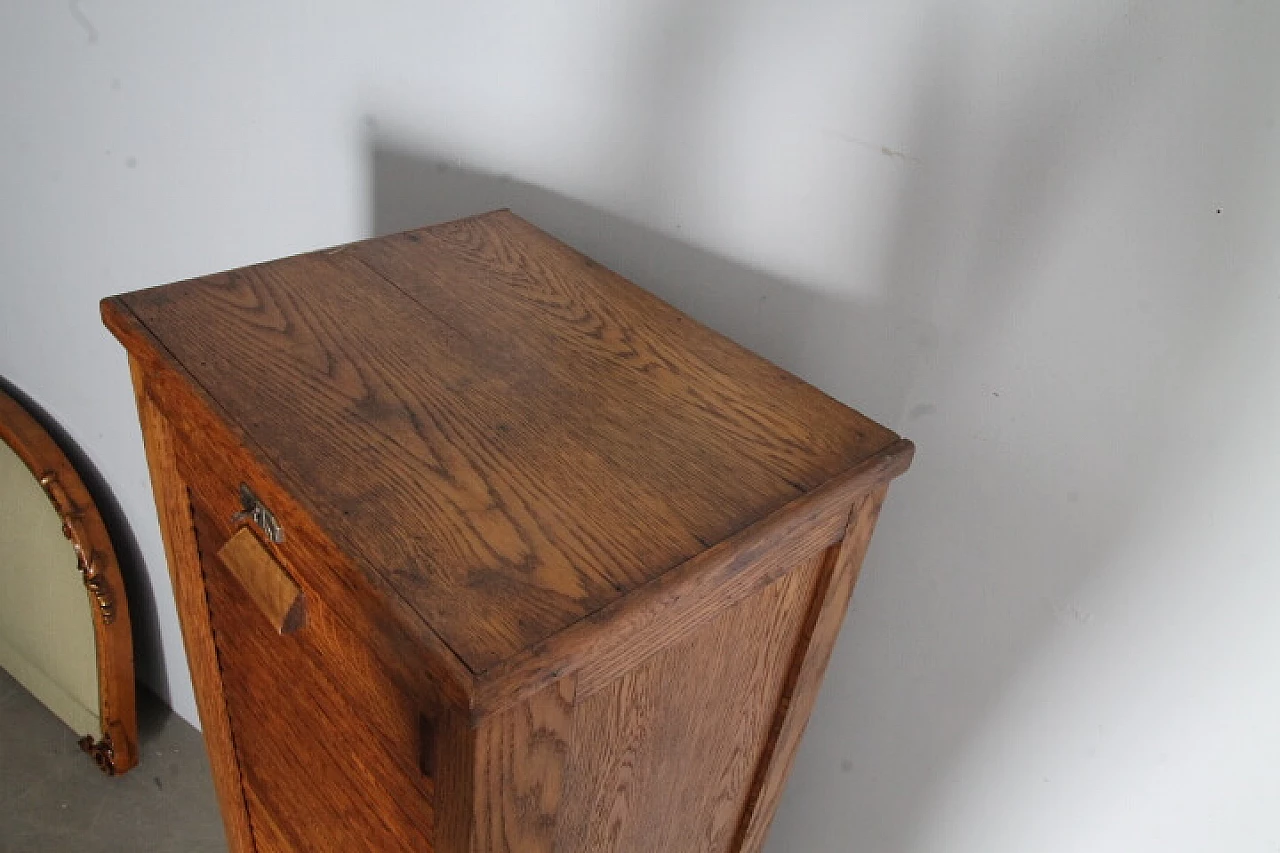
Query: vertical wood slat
pixel 813 653
pixel 499 784
pixel 173 504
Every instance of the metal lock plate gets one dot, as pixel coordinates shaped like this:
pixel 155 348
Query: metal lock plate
pixel 256 511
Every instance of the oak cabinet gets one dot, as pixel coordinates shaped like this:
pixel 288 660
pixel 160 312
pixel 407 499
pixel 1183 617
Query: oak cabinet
pixel 479 547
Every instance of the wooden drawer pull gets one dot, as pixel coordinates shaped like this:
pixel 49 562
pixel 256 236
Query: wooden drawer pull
pixel 266 581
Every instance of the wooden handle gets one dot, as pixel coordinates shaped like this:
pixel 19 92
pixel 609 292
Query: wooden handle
pixel 266 581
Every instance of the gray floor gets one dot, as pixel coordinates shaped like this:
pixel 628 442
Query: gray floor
pixel 52 797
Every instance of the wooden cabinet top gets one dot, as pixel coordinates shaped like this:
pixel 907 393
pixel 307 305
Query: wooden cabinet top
pixel 509 436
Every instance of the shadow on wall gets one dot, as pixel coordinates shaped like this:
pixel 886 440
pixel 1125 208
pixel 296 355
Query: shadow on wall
pixel 141 599
pixel 983 544
pixel 867 356
pixel 862 354
pixel 1016 502
pixel 776 318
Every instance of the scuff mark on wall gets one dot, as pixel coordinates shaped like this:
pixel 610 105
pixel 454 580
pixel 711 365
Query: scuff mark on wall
pixel 887 151
pixel 73 6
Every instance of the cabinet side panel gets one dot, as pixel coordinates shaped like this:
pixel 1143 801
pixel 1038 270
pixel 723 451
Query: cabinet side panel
pixel 173 504
pixel 812 653
pixel 663 757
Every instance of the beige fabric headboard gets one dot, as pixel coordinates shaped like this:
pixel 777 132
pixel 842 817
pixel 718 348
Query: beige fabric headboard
pixel 64 619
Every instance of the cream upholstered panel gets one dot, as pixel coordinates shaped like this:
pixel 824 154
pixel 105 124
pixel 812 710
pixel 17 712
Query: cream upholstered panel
pixel 46 622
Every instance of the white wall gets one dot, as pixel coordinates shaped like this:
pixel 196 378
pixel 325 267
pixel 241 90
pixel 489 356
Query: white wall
pixel 1038 238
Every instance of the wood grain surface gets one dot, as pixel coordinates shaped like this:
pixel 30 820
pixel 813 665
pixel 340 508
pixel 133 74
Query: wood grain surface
pixel 373 672
pixel 611 641
pixel 573 565
pixel 809 664
pixel 266 581
pixel 215 456
pixel 173 504
pixel 323 777
pixel 267 834
pixel 514 436
pixel 521 757
pixel 664 756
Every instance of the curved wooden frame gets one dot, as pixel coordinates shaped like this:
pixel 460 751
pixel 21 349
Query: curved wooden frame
pixel 82 524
